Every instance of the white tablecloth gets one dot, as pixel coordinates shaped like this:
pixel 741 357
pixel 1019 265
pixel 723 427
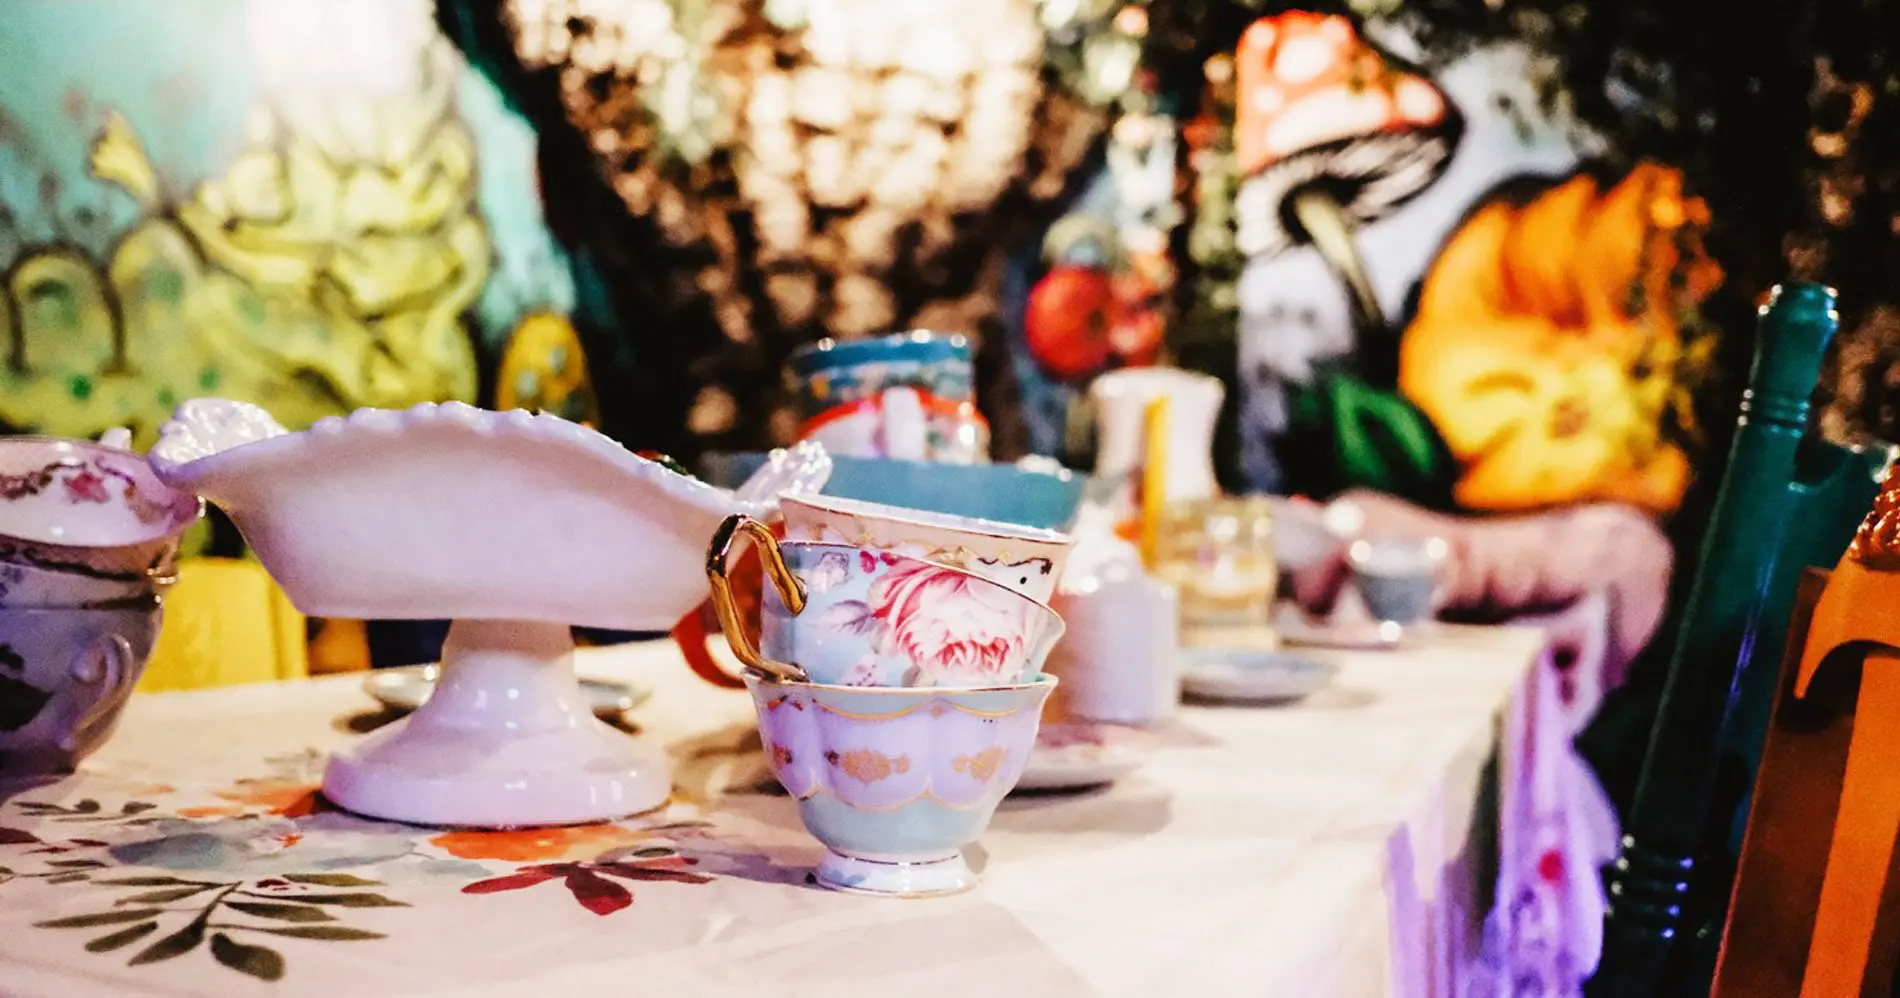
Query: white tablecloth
pixel 1330 848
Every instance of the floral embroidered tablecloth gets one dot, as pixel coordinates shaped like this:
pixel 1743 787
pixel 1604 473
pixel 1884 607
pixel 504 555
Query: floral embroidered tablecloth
pixel 1324 849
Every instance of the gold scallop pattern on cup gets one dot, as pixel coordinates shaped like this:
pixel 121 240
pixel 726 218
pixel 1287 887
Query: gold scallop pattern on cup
pixel 980 766
pixel 870 765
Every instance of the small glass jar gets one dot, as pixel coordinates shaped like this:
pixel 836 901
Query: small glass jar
pixel 1219 554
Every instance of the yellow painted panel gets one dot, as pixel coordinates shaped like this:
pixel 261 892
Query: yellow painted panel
pixel 226 622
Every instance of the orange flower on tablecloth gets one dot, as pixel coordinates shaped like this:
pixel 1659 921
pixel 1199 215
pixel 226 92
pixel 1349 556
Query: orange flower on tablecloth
pixel 530 845
pixel 139 789
pixel 285 798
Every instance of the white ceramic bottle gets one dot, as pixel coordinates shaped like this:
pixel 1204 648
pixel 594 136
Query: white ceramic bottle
pixel 1119 660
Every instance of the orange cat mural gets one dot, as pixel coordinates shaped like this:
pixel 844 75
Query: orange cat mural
pixel 1550 350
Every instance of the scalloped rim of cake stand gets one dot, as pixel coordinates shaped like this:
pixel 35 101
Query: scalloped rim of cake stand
pixel 508 740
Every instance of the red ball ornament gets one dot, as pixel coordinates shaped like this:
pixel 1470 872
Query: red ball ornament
pixel 1070 321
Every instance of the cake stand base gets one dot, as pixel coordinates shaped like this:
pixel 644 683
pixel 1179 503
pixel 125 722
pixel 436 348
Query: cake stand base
pixel 506 741
pixel 895 876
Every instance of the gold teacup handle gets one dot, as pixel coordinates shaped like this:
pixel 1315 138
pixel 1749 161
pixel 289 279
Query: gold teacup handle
pixel 790 591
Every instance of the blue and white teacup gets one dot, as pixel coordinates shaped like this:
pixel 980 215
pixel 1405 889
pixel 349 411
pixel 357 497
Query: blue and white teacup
pixel 895 782
pixel 831 373
pixel 856 616
pixel 1400 579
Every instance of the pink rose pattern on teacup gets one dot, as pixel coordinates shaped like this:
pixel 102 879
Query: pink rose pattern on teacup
pixel 83 482
pixel 955 629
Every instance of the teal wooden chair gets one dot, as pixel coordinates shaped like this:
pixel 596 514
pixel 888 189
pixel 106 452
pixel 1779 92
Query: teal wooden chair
pixel 1787 502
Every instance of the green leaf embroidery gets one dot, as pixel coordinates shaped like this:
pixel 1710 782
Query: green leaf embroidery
pixel 123 937
pixel 137 807
pixel 87 806
pixel 5 874
pixel 77 864
pixel 261 962
pixel 281 912
pixel 359 900
pixel 177 944
pixel 99 918
pixel 161 897
pixel 66 878
pixel 150 882
pixel 331 880
pixel 335 932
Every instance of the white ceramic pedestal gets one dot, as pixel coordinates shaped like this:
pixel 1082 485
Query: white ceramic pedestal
pixel 506 741
pixel 490 519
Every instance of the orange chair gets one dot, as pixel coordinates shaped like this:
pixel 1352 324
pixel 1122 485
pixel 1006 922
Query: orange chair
pixel 1816 905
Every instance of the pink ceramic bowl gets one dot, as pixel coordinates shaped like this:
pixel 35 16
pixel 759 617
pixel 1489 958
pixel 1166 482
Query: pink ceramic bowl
pixel 88 509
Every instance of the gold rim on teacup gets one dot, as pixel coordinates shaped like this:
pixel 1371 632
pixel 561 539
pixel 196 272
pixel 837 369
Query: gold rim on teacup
pixel 1048 679
pixel 790 590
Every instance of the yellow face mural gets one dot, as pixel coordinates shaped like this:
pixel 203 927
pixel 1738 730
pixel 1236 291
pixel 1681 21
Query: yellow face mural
pixel 1549 349
pixel 326 269
pixel 544 369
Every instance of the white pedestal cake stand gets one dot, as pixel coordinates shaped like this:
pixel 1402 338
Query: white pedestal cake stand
pixel 506 740
pixel 514 526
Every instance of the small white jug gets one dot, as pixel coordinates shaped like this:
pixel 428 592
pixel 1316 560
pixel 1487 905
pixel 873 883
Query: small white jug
pixel 1121 405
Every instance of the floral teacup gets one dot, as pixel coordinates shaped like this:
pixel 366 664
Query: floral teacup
pixel 73 505
pixel 831 372
pixel 896 782
pixel 1026 559
pixel 854 616
pixel 904 424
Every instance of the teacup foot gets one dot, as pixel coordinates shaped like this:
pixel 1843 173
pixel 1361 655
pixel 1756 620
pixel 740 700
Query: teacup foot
pixel 896 876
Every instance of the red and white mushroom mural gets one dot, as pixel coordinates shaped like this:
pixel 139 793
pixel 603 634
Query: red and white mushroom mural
pixel 1331 135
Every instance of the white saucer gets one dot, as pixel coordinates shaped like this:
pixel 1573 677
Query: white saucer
pixel 1364 634
pixel 410 686
pixel 1250 675
pixel 1073 756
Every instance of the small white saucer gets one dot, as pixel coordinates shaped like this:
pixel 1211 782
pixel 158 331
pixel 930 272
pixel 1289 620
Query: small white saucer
pixel 1252 676
pixel 410 686
pixel 1360 633
pixel 1073 756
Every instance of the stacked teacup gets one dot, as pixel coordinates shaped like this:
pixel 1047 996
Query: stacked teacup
pixel 88 543
pixel 898 679
pixel 907 396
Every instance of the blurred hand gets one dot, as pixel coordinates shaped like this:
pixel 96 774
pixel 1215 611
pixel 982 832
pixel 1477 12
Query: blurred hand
pixel 1504 565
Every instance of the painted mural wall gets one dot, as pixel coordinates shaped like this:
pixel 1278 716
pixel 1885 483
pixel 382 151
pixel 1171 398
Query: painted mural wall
pixel 1428 285
pixel 311 206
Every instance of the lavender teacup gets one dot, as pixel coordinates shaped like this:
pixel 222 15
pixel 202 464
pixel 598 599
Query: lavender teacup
pixel 851 616
pixel 65 675
pixel 32 586
pixel 896 782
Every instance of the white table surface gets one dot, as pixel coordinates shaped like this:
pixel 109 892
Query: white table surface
pixel 1314 850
